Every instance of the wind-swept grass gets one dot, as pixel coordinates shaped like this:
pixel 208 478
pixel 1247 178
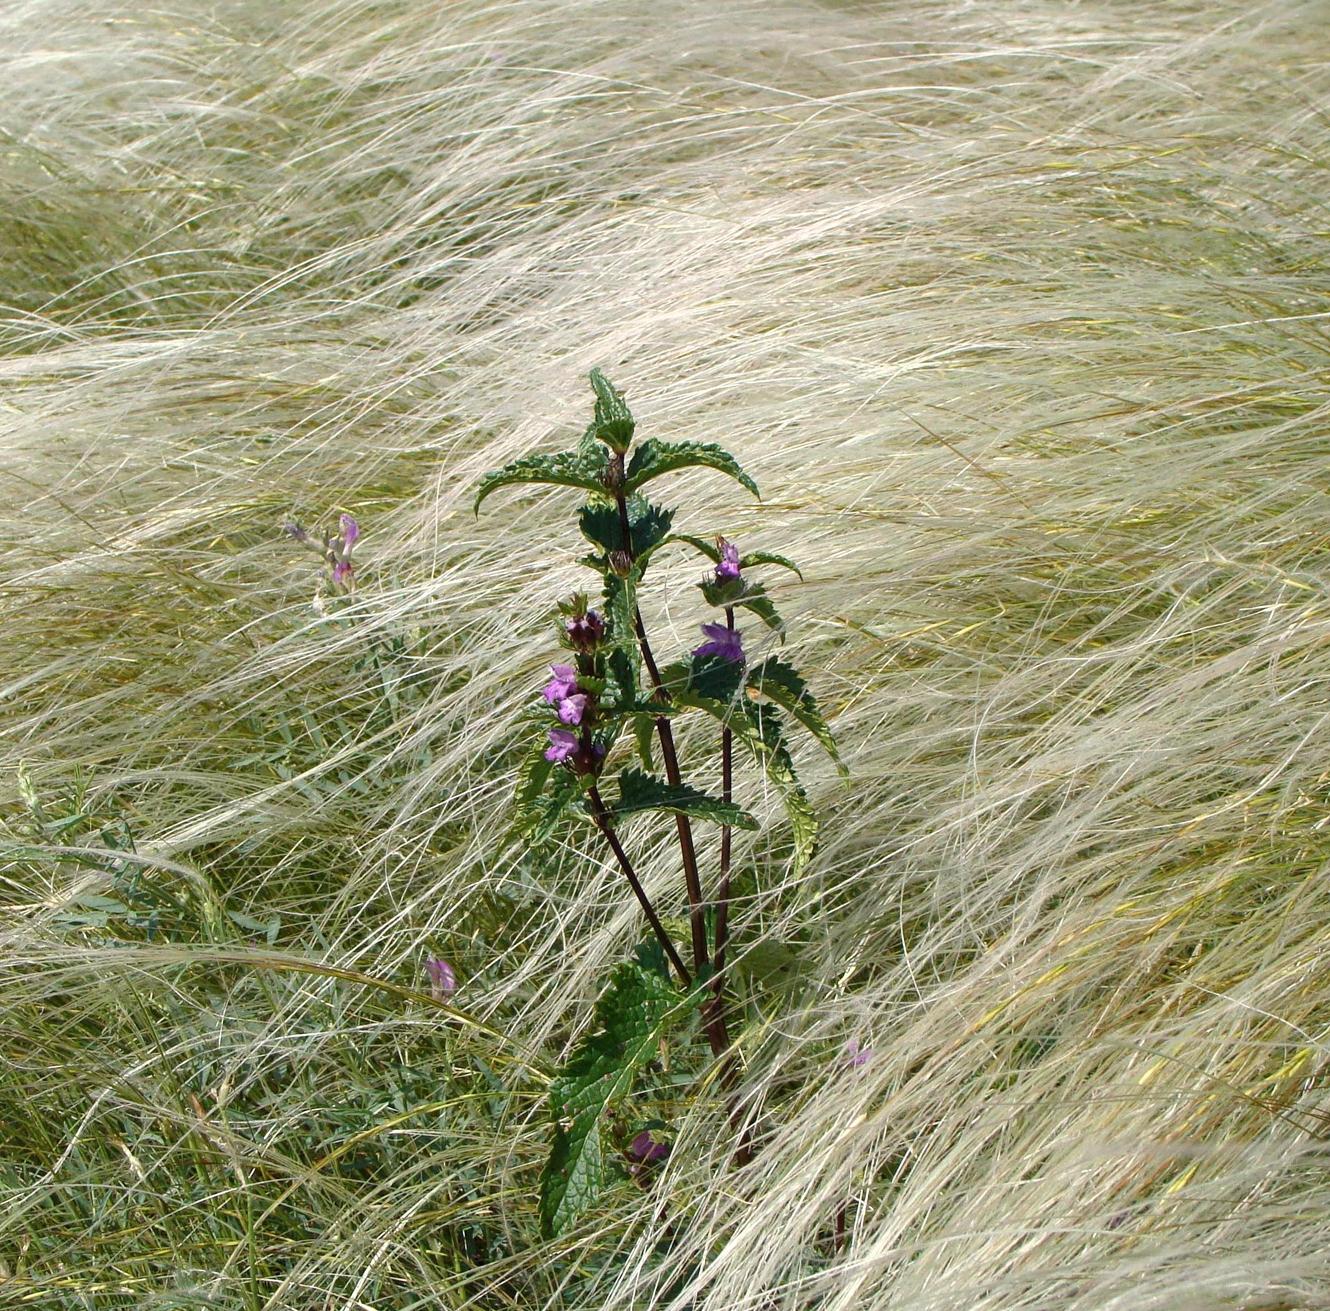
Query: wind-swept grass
pixel 1018 313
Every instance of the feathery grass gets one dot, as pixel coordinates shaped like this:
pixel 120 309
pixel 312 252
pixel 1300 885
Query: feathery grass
pixel 1017 312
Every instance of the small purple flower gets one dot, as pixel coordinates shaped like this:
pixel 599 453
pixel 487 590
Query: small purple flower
pixel 442 977
pixel 727 643
pixel 561 685
pixel 728 568
pixel 856 1057
pixel 563 746
pixel 585 631
pixel 572 708
pixel 350 531
pixel 342 573
pixel 646 1149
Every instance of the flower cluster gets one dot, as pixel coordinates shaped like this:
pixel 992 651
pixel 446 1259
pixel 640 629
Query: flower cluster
pixel 584 630
pixel 335 549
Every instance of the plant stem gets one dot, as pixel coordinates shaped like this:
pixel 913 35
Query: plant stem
pixel 723 888
pixel 602 817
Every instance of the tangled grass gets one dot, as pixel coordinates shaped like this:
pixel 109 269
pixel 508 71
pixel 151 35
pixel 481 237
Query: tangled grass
pixel 1017 311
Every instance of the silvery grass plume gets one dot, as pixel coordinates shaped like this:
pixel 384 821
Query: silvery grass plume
pixel 1023 309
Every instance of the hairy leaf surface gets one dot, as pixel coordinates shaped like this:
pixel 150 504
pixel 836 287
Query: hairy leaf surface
pixel 653 458
pixel 640 792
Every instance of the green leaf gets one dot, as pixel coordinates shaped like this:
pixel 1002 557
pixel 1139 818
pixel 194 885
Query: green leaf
pixel 540 813
pixel 714 677
pixel 573 1175
pixel 746 596
pixel 648 526
pixel 613 423
pixel 760 728
pixel 631 1017
pixel 639 792
pixel 643 730
pixel 652 458
pixel 784 685
pixel 584 467
pixel 712 552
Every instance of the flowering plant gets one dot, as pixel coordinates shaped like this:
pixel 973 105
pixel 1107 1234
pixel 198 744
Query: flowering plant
pixel 610 688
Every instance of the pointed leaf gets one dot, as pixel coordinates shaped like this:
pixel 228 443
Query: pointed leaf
pixel 584 467
pixel 652 458
pixel 784 685
pixel 640 792
pixel 613 423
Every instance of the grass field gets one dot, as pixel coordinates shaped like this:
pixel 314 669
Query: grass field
pixel 1018 313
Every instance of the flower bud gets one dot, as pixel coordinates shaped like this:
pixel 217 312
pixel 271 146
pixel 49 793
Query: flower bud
pixel 585 631
pixel 621 563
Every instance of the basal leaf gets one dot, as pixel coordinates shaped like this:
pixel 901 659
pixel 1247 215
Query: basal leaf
pixel 784 685
pixel 639 792
pixel 573 1174
pixel 613 423
pixel 631 1016
pixel 584 468
pixel 653 458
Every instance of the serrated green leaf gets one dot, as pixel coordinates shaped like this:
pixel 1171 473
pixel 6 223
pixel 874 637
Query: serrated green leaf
pixel 747 596
pixel 613 422
pixel 538 819
pixel 584 468
pixel 648 526
pixel 760 729
pixel 715 677
pixel 639 792
pixel 573 1175
pixel 784 685
pixel 712 552
pixel 766 741
pixel 631 1017
pixel 653 458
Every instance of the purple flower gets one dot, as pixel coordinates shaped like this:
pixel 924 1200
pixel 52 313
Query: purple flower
pixel 728 568
pixel 342 573
pixel 442 977
pixel 350 531
pixel 727 643
pixel 563 746
pixel 572 708
pixel 585 631
pixel 855 1056
pixel 561 685
pixel 646 1149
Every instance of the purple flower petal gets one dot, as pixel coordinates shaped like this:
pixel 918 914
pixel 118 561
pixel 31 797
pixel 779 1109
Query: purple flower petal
pixel 350 531
pixel 728 568
pixel 563 745
pixel 442 977
pixel 572 708
pixel 727 643
pixel 645 1148
pixel 342 573
pixel 857 1057
pixel 585 631
pixel 561 685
